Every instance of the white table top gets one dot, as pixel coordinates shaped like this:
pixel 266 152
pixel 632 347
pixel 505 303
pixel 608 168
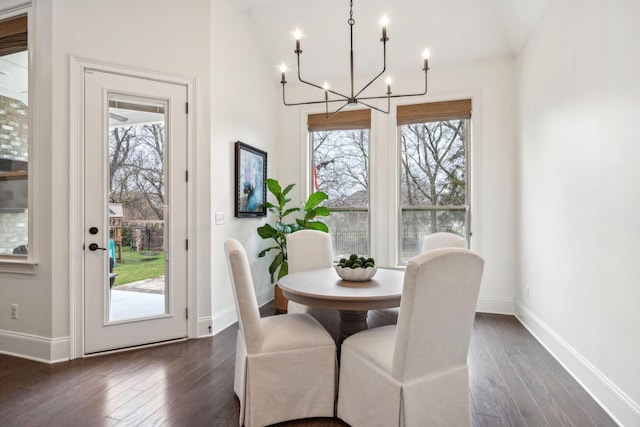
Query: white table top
pixel 324 288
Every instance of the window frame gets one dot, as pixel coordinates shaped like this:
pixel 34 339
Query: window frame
pixel 18 263
pixel 317 122
pixel 442 113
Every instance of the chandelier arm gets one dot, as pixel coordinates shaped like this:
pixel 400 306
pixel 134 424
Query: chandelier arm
pixel 369 84
pixel 403 95
pixel 289 104
pixel 384 68
pixel 375 108
pixel 329 117
pixel 315 85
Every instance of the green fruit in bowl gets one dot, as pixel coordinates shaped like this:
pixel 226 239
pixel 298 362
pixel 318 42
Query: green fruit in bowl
pixel 355 261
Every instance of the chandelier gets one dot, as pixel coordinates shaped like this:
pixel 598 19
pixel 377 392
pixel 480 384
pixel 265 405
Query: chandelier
pixel 331 96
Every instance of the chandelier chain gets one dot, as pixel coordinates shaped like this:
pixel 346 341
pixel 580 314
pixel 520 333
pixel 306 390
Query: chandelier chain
pixel 351 21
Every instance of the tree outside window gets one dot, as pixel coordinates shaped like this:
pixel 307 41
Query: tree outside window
pixel 341 169
pixel 433 181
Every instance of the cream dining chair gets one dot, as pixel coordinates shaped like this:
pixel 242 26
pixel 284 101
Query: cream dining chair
pixel 415 373
pixel 310 250
pixel 442 239
pixel 285 365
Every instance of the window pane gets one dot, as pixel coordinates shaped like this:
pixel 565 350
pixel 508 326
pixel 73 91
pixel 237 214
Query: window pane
pixel 341 169
pixel 433 175
pixel 417 224
pixel 14 154
pixel 349 232
pixel 433 164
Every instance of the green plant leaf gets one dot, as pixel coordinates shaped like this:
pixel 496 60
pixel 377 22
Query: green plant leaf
pixel 287 189
pixel 277 262
pixel 289 211
pixel 322 211
pixel 274 186
pixel 317 225
pixel 264 252
pixel 315 199
pixel 284 270
pixel 311 213
pixel 267 232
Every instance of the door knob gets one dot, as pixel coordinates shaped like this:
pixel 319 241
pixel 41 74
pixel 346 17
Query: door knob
pixel 95 247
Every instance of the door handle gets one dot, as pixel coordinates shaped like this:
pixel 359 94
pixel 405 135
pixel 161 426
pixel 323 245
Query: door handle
pixel 95 247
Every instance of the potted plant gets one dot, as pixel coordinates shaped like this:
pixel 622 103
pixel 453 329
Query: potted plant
pixel 278 232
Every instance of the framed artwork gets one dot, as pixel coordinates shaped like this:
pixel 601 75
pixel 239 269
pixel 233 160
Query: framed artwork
pixel 251 181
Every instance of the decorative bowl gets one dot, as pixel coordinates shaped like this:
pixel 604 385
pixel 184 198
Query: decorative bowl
pixel 356 274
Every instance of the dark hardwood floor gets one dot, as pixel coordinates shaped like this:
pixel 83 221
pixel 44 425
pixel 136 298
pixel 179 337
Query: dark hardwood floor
pixel 514 381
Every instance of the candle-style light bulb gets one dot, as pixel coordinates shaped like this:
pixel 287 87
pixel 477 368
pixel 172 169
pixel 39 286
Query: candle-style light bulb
pixel 297 35
pixel 283 69
pixel 425 56
pixel 325 86
pixel 388 81
pixel 384 21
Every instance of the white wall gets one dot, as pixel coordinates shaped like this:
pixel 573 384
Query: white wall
pixel 491 85
pixel 147 34
pixel 579 153
pixel 243 102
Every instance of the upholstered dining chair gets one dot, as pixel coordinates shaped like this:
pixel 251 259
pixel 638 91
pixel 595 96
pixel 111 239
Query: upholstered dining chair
pixel 310 250
pixel 441 239
pixel 285 364
pixel 415 373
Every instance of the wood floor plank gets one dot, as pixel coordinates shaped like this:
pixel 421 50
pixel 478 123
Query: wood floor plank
pixel 513 381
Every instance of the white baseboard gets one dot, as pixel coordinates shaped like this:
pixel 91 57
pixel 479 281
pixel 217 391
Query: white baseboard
pixel 205 327
pixel 33 347
pixel 496 305
pixel 614 401
pixel 224 319
pixel 265 296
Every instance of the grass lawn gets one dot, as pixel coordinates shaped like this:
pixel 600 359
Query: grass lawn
pixel 138 266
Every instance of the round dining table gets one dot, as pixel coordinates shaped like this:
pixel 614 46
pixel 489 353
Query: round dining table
pixel 324 288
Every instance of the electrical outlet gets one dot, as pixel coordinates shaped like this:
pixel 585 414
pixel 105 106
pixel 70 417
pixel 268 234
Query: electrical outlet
pixel 14 311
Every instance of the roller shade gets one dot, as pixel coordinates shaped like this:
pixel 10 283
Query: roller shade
pixel 355 119
pixel 434 112
pixel 13 35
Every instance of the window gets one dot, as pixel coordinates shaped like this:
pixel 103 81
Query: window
pixel 340 167
pixel 14 140
pixel 434 159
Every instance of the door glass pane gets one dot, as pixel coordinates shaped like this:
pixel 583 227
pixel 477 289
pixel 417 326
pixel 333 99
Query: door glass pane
pixel 137 208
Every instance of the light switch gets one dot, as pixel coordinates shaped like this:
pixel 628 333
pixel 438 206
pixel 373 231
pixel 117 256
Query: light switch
pixel 219 218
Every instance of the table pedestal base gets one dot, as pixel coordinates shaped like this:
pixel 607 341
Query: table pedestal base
pixel 352 321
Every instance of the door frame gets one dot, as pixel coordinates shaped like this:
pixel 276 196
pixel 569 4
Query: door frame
pixel 78 67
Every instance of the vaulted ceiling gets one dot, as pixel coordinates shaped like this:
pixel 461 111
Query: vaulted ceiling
pixel 453 30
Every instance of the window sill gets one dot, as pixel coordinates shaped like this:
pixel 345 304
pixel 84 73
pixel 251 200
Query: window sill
pixel 21 266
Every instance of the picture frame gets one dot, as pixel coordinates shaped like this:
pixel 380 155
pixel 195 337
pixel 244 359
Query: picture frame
pixel 250 181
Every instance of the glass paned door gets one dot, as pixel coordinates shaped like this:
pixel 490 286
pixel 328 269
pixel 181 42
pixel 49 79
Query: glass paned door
pixel 135 211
